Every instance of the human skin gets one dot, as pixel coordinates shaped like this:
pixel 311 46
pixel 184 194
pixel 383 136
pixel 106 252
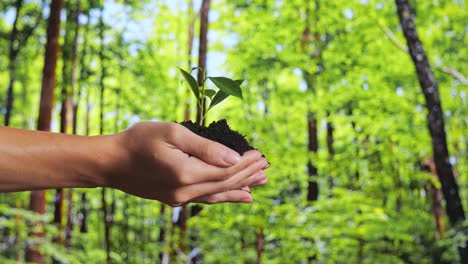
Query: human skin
pixel 154 160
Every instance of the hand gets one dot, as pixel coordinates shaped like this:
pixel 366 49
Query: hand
pixel 169 163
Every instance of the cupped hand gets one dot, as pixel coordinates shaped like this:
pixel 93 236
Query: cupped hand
pixel 169 163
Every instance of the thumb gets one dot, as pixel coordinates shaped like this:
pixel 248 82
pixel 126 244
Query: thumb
pixel 206 150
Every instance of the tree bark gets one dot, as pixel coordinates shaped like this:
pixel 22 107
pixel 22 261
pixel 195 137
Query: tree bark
pixel 12 56
pixel 74 109
pixel 181 222
pixel 18 39
pixel 83 212
pixel 309 78
pixel 435 119
pixel 163 254
pixel 331 152
pixel 435 197
pixel 259 245
pixel 105 210
pixel 202 53
pixel 37 198
pixel 312 190
pixel 68 83
pixel 201 110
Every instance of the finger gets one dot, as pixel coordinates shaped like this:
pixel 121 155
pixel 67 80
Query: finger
pixel 234 196
pixel 245 189
pixel 198 171
pixel 204 149
pixel 259 176
pixel 260 183
pixel 246 177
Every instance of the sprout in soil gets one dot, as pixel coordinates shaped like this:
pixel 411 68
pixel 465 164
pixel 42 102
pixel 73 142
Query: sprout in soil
pixel 218 131
pixel 225 85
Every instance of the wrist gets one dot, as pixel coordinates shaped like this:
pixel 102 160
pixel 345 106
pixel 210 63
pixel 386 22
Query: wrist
pixel 108 158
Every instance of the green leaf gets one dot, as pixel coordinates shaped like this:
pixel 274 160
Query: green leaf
pixel 192 83
pixel 239 82
pixel 210 93
pixel 227 85
pixel 218 98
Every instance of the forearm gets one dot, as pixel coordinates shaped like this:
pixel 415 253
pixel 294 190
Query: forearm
pixel 40 160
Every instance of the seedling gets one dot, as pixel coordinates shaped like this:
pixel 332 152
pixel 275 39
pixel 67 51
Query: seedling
pixel 218 131
pixel 225 85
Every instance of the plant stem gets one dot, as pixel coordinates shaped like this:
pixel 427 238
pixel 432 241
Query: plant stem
pixel 201 101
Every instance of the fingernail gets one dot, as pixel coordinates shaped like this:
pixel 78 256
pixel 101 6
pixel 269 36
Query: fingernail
pixel 244 190
pixel 247 199
pixel 260 175
pixel 231 157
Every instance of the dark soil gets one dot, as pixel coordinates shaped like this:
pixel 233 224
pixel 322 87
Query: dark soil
pixel 220 131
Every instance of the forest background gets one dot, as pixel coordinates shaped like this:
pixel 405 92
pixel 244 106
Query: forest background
pixel 366 165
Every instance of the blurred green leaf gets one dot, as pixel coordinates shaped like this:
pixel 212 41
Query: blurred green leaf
pixel 227 85
pixel 210 93
pixel 192 83
pixel 218 98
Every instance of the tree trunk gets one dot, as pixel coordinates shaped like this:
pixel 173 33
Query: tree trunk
pixel 201 110
pixel 69 57
pixel 163 254
pixel 356 143
pixel 309 78
pixel 243 248
pixel 428 165
pixel 182 217
pixel 83 214
pixel 259 245
pixel 12 56
pixel 312 190
pixel 105 210
pixel 67 51
pixel 435 119
pixel 74 109
pixel 331 153
pixel 202 53
pixel 37 199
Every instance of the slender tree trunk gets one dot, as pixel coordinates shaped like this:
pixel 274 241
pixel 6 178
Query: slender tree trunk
pixel 83 211
pixel 312 190
pixel 24 98
pixel 243 248
pixel 201 110
pixel 163 254
pixel 259 245
pixel 360 253
pixel 12 56
pixel 19 220
pixel 37 199
pixel 435 119
pixel 74 108
pixel 354 178
pixel 58 212
pixel 69 57
pixel 181 222
pixel 331 153
pixel 105 210
pixel 435 197
pixel 202 53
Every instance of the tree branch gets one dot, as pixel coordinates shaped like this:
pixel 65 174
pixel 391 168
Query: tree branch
pixel 454 73
pixel 392 37
pixel 450 71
